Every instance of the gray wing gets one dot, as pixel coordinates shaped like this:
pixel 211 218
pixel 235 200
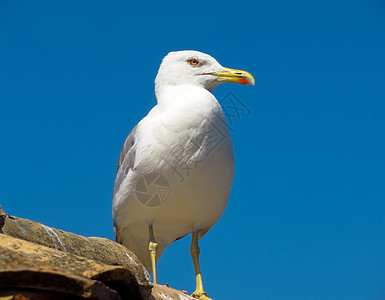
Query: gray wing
pixel 126 159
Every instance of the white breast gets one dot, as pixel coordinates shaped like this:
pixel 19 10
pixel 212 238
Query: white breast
pixel 187 148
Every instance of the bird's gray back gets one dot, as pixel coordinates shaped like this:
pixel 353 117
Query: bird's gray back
pixel 126 159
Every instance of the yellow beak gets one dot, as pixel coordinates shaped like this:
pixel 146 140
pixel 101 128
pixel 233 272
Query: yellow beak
pixel 237 76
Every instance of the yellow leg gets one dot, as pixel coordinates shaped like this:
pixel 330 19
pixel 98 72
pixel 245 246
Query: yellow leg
pixel 152 247
pixel 195 251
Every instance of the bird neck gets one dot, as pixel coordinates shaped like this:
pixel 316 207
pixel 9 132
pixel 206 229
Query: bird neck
pixel 182 94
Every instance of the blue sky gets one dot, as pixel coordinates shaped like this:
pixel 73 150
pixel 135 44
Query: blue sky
pixel 306 214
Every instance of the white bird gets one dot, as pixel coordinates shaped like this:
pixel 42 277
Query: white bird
pixel 176 167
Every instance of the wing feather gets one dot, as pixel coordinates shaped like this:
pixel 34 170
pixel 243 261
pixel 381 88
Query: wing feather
pixel 126 159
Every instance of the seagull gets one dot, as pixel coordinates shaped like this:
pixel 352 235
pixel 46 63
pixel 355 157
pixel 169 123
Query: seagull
pixel 176 168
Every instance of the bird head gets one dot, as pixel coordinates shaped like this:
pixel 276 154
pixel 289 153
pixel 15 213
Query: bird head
pixel 198 69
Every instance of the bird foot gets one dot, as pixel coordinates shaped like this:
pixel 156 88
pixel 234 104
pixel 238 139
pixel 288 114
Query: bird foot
pixel 200 295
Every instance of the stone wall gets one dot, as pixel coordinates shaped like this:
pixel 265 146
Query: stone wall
pixel 40 262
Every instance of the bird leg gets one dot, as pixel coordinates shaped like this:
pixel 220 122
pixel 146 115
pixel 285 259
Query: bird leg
pixel 152 247
pixel 195 251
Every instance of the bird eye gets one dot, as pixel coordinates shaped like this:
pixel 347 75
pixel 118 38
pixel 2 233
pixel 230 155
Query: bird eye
pixel 193 62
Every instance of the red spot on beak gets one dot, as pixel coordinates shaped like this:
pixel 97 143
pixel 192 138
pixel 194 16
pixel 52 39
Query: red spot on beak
pixel 243 81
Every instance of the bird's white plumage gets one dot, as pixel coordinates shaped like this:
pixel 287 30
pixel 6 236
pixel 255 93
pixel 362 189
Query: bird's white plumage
pixel 185 139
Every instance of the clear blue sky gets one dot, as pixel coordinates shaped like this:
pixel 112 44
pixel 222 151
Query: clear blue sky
pixel 306 218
